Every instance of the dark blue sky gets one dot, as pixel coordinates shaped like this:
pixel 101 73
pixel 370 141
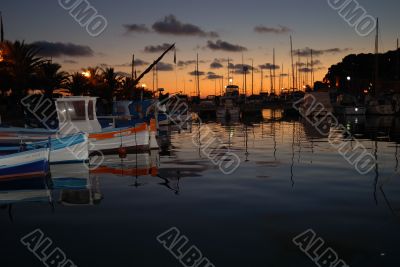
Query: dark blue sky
pixel 314 24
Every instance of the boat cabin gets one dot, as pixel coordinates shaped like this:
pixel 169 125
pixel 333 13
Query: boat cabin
pixel 232 91
pixel 77 114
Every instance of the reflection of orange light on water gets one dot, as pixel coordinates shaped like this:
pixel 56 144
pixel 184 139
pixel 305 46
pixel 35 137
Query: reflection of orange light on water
pixel 269 114
pixel 1 55
pixel 127 172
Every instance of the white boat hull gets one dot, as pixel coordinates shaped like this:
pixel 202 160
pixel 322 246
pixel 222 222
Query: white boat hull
pixel 70 154
pixel 133 139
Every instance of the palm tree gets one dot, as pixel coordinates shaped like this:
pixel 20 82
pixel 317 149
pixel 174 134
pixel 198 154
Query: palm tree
pixel 78 84
pixel 128 86
pixel 22 63
pixel 111 82
pixel 93 75
pixel 51 78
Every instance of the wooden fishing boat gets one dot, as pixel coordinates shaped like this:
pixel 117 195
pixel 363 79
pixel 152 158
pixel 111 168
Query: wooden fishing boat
pixel 77 114
pixel 31 163
pixel 64 150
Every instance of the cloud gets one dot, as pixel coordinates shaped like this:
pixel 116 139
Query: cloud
pixel 240 68
pixel 165 67
pixel 315 63
pixel 48 49
pixel 225 46
pixel 305 69
pixel 157 48
pixel 186 63
pixel 216 65
pixel 309 69
pixel 213 76
pixel 172 26
pixel 269 66
pixel 138 63
pixel 139 28
pixel 103 65
pixel 306 52
pixel 276 30
pixel 123 74
pixel 194 73
pixel 69 61
pixel 182 63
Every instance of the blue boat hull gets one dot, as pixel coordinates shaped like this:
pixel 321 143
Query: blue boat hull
pixel 31 169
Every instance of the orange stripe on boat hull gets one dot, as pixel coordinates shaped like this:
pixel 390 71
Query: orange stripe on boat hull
pixel 22 176
pixel 114 134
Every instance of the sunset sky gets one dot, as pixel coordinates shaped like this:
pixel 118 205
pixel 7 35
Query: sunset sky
pixel 216 30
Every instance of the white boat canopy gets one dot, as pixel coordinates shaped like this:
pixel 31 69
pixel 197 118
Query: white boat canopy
pixel 77 114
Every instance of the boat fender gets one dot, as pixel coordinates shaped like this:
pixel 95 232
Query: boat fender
pixel 122 152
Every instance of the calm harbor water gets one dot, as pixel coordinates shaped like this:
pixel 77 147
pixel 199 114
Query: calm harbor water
pixel 290 179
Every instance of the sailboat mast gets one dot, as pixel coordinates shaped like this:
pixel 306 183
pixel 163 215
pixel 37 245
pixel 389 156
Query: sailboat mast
pixel 262 80
pixel 298 70
pixel 2 28
pixel 270 76
pixel 156 68
pixel 306 74
pixel 312 70
pixel 291 55
pixel 133 67
pixel 252 77
pixel 274 83
pixel 243 75
pixel 377 57
pixel 397 60
pixel 198 76
pixel 229 74
pixel 154 80
pixel 282 80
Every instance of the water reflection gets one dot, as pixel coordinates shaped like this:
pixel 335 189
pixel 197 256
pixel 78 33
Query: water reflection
pixel 17 190
pixel 290 179
pixel 75 185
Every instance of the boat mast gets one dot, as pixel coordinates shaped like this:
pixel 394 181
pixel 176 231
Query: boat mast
pixel 298 70
pixel 252 77
pixel 274 72
pixel 154 79
pixel 291 55
pixel 281 80
pixel 312 70
pixel 377 57
pixel 229 74
pixel 2 29
pixel 397 60
pixel 307 72
pixel 270 76
pixel 198 76
pixel 133 67
pixel 243 74
pixel 262 80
